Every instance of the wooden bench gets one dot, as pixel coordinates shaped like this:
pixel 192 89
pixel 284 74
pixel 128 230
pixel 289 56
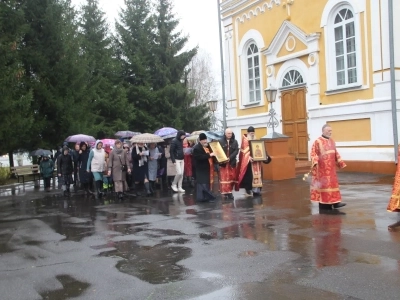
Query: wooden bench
pixel 22 171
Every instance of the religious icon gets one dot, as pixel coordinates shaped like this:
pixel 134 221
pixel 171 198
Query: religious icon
pixel 257 150
pixel 218 151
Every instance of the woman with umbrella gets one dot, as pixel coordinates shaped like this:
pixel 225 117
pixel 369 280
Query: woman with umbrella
pixel 65 169
pixel 140 155
pixel 118 166
pixel 154 155
pixel 46 170
pixel 84 175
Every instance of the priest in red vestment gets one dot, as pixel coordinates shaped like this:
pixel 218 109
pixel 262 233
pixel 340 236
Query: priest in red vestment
pixel 227 171
pixel 394 202
pixel 249 172
pixel 324 160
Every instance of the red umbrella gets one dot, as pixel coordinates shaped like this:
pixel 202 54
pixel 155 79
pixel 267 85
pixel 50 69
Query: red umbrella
pixel 108 142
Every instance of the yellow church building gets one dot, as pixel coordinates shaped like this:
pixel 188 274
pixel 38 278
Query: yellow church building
pixel 329 61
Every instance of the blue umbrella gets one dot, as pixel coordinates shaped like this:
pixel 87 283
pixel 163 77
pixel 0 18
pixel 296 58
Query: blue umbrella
pixel 214 135
pixel 41 152
pixel 166 131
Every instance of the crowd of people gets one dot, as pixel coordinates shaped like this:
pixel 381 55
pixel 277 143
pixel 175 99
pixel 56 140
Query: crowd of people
pixel 139 167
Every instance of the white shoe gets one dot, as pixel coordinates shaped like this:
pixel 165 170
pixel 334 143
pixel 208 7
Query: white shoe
pixel 181 190
pixel 174 188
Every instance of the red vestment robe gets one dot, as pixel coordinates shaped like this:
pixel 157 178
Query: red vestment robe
pixel 227 176
pixel 187 160
pixel 244 160
pixel 324 182
pixel 394 203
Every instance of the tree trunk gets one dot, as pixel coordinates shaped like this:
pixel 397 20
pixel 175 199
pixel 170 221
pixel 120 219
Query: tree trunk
pixel 11 159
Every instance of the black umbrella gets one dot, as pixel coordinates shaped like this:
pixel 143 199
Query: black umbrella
pixel 41 152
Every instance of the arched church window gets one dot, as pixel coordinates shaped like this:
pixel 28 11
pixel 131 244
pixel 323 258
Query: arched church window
pixel 292 78
pixel 253 69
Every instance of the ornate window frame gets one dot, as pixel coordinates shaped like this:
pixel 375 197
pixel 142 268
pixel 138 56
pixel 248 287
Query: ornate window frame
pixel 292 79
pixel 250 37
pixel 331 10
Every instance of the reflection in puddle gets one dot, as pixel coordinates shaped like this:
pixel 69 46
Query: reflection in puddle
pixel 155 265
pixel 71 288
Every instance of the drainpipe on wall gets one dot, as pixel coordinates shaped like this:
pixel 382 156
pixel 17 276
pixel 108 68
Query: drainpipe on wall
pixel 393 81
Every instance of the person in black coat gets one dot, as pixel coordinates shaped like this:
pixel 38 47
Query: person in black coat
pixel 65 169
pixel 84 175
pixel 75 157
pixel 177 157
pixel 203 158
pixel 140 154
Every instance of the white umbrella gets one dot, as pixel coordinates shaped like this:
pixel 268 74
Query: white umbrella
pixel 146 138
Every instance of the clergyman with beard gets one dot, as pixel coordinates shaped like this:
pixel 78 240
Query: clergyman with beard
pixel 249 172
pixel 324 160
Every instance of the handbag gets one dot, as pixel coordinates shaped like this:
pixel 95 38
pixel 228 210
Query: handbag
pixel 124 168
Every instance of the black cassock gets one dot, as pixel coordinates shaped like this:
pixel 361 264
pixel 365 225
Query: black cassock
pixel 200 157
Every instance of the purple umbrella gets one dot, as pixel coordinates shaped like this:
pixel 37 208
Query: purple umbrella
pixel 80 138
pixel 126 134
pixel 165 131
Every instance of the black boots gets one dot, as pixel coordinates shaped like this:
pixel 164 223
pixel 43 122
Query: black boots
pixel 330 206
pixel 147 188
pixel 120 196
pixel 339 205
pixel 137 188
pixel 67 192
pixel 99 189
pixel 325 206
pixel 152 186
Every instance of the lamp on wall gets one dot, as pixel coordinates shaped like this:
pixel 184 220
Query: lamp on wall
pixel 212 106
pixel 270 94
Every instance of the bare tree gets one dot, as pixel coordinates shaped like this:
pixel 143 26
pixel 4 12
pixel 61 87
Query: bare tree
pixel 201 79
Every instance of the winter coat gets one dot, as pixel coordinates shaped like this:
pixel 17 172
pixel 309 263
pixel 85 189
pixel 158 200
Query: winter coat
pixel 115 166
pixel 75 158
pixel 47 168
pixel 84 175
pixel 141 172
pixel 64 164
pixel 96 159
pixel 201 157
pixel 233 150
pixel 171 170
pixel 177 147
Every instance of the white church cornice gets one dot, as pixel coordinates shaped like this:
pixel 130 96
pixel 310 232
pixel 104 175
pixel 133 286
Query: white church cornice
pixel 239 7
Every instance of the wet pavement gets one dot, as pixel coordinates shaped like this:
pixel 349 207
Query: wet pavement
pixel 277 246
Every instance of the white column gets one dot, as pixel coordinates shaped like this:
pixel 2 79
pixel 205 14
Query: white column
pixel 229 64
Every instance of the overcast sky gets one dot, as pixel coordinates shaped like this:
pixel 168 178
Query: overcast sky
pixel 198 19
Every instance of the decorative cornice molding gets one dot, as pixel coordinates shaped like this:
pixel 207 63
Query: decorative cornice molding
pixel 258 10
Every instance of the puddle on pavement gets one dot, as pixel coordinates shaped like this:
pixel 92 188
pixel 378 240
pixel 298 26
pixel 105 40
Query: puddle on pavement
pixel 71 288
pixel 4 248
pixel 156 264
pixel 248 253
